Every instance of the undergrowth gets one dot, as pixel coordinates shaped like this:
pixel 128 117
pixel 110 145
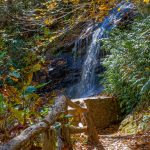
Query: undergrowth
pixel 127 74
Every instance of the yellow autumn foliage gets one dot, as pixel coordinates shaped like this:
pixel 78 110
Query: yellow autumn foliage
pixel 146 1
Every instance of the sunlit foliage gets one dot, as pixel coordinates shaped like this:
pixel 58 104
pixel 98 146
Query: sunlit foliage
pixel 128 66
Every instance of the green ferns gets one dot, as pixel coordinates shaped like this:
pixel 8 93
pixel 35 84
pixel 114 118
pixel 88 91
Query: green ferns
pixel 127 74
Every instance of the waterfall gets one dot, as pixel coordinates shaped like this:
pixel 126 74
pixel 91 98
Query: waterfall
pixel 88 73
pixel 83 41
pixel 87 84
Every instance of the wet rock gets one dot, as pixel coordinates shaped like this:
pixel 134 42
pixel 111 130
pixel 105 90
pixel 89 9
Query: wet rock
pixel 63 71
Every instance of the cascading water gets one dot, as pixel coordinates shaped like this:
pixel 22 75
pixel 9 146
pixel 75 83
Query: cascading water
pixel 88 73
pixel 87 85
pixel 83 41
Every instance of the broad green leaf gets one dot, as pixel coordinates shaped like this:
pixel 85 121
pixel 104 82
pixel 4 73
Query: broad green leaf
pixel 2 54
pixel 15 74
pixel 30 90
pixel 46 31
pixel 68 116
pixel 57 125
pixel 42 85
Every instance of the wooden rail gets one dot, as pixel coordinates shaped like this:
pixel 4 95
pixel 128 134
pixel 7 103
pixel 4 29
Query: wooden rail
pixel 25 140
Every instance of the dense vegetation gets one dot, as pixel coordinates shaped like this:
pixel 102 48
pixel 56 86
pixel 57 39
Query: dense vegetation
pixel 127 67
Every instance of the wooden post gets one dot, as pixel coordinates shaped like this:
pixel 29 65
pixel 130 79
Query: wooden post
pixel 49 140
pixel 66 138
pixel 65 132
pixel 78 110
pixel 91 130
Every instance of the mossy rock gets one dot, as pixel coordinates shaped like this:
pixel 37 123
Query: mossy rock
pixel 138 121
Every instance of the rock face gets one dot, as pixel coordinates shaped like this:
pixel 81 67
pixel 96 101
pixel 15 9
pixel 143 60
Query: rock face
pixel 64 66
pixel 63 70
pixel 104 110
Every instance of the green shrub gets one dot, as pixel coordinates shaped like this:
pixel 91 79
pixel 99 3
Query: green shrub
pixel 127 74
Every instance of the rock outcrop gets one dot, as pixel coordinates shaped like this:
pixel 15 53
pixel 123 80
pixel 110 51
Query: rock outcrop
pixel 103 109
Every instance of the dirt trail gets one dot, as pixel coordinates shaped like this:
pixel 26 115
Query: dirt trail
pixel 113 140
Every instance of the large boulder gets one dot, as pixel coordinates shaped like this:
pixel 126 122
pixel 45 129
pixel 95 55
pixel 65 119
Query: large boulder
pixel 104 110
